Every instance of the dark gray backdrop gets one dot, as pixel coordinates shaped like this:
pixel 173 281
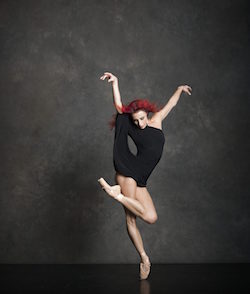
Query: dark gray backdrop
pixel 56 143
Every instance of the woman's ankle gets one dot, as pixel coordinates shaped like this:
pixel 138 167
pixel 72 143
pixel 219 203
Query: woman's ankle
pixel 119 197
pixel 144 257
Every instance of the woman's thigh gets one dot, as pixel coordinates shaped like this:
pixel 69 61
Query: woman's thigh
pixel 128 189
pixel 144 197
pixel 128 185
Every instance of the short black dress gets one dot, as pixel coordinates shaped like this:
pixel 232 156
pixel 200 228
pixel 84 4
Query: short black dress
pixel 149 142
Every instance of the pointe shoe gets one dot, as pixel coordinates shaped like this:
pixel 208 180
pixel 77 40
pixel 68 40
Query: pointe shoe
pixel 113 191
pixel 145 269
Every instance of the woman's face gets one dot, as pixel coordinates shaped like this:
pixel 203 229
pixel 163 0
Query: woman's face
pixel 140 118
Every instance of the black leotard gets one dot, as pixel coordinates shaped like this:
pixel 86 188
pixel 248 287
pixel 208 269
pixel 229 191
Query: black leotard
pixel 149 142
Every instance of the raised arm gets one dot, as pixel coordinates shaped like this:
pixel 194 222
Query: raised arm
pixel 173 100
pixel 115 89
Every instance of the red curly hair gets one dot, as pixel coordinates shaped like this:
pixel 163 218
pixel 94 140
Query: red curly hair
pixel 135 105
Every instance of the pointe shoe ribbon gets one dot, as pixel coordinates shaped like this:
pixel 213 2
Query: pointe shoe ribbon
pixel 119 197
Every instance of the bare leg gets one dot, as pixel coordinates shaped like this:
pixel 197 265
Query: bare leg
pixel 132 204
pixel 133 232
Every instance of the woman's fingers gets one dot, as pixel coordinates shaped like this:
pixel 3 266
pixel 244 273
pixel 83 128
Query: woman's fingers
pixel 103 77
pixel 110 76
pixel 106 75
pixel 187 89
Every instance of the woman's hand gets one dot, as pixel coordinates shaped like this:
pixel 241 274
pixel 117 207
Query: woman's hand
pixel 186 89
pixel 110 76
pixel 115 89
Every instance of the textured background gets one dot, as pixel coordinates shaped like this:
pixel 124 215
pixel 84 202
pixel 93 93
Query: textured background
pixel 56 143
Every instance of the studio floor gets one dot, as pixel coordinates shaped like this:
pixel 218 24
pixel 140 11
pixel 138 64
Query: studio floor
pixel 124 278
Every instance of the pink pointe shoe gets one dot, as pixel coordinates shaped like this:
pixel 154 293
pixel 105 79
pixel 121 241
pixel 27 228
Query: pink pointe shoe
pixel 113 191
pixel 144 269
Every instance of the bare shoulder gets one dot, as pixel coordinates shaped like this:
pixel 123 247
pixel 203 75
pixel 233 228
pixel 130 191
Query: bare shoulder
pixel 156 117
pixel 156 120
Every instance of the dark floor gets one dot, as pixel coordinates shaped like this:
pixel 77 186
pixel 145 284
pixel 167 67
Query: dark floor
pixel 119 279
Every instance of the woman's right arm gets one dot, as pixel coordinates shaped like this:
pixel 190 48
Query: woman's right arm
pixel 115 89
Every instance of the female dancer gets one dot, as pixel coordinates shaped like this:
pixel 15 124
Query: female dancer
pixel 132 171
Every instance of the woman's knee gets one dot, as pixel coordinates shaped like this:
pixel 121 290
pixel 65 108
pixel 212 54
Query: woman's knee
pixel 151 217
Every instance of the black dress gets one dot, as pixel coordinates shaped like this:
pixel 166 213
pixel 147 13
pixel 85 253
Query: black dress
pixel 149 142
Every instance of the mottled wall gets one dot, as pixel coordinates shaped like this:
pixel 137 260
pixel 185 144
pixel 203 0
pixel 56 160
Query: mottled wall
pixel 56 143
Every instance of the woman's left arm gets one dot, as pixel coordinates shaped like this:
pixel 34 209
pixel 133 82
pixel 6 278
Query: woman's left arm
pixel 173 100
